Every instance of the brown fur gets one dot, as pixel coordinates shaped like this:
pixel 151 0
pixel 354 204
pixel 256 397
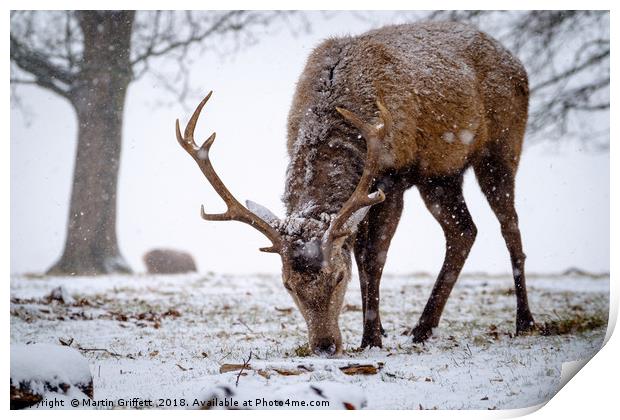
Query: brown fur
pixel 458 99
pixel 449 97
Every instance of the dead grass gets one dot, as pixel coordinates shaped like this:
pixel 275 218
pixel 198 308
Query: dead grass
pixel 577 323
pixel 303 351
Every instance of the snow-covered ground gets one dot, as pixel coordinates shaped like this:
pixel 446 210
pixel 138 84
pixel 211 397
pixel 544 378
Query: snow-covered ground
pixel 167 337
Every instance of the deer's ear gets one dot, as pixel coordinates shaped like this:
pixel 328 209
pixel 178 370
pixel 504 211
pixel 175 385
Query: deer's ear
pixel 348 228
pixel 263 212
pixel 355 219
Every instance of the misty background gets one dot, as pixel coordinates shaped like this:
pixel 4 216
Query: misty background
pixel 562 192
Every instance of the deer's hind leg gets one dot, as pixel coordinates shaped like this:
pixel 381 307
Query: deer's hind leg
pixel 496 176
pixel 444 199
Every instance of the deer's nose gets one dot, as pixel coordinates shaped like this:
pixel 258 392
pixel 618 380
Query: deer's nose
pixel 325 347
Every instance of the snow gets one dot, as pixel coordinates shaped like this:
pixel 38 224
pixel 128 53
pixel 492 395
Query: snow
pixel 448 137
pixel 38 365
pixel 262 212
pixel 167 337
pixel 466 137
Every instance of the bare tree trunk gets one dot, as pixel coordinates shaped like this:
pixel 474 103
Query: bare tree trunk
pixel 91 245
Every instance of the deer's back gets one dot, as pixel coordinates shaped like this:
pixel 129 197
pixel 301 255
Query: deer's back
pixel 452 90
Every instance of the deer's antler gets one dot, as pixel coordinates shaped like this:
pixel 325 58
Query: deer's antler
pixel 374 135
pixel 235 210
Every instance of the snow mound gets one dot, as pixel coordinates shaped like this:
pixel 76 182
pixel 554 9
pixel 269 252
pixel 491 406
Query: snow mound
pixel 43 368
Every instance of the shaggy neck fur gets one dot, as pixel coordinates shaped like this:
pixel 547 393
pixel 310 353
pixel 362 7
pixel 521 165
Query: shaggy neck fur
pixel 326 154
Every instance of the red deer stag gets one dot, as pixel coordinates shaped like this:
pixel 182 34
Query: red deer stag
pixel 374 115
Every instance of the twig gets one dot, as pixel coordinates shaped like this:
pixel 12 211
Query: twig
pixel 468 352
pixel 66 342
pixel 183 368
pixel 111 353
pixel 245 364
pixel 240 321
pixel 224 357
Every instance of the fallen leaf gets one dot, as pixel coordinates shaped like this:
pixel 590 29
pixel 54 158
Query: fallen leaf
pixel 172 312
pixel 348 406
pixel 284 310
pixel 289 372
pixel 359 369
pixel 231 367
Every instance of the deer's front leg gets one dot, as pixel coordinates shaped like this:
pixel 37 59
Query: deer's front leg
pixel 371 246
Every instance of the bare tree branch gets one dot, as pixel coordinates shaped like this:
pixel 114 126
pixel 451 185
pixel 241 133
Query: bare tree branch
pixel 45 73
pixel 193 38
pixel 591 61
pixel 566 53
pixel 48 45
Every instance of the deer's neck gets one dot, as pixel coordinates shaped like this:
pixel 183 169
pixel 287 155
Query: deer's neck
pixel 322 175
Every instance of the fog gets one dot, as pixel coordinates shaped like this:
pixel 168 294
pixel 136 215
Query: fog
pixel 562 191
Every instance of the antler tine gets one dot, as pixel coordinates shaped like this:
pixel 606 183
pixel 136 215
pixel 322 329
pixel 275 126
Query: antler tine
pixel 187 140
pixel 373 134
pixel 191 124
pixel 367 130
pixel 234 210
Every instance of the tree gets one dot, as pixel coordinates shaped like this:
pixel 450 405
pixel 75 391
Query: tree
pixel 90 58
pixel 566 53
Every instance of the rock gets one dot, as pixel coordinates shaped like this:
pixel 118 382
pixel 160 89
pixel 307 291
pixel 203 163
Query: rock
pixel 168 261
pixel 59 294
pixel 41 369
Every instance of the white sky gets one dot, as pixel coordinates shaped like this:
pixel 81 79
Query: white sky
pixel 562 196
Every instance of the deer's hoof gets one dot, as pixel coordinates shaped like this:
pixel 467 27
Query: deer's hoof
pixel 526 325
pixel 420 333
pixel 371 340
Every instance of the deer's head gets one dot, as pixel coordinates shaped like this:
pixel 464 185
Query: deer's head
pixel 316 259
